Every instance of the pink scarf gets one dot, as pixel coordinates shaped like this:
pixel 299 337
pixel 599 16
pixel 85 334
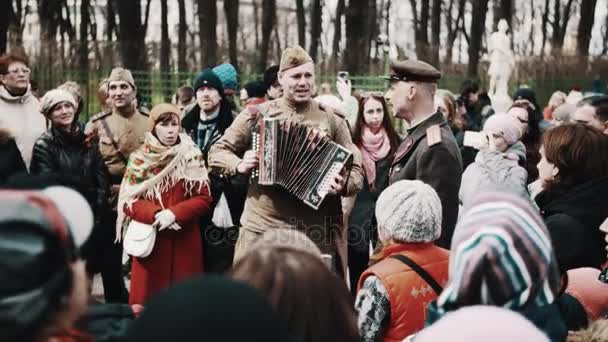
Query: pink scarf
pixel 374 147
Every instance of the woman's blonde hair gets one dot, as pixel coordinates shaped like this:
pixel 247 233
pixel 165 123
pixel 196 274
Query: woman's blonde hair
pixel 596 332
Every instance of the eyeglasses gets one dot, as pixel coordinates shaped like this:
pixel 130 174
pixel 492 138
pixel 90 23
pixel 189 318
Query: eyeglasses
pixel 16 71
pixel 374 94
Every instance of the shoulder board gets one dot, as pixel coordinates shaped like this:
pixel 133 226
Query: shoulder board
pixel 99 116
pixel 328 109
pixel 143 111
pixel 433 135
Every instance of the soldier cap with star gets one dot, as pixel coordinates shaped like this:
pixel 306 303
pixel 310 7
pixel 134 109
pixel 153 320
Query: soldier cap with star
pixel 413 71
pixel 294 57
pixel 121 74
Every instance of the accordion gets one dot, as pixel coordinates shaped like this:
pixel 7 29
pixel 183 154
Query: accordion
pixel 300 159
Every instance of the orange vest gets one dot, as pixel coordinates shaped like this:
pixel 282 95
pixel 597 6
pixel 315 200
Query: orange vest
pixel 408 293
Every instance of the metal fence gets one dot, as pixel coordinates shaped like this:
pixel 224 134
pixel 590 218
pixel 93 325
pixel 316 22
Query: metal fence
pixel 155 87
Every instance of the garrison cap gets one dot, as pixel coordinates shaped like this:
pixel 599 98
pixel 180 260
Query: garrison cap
pixel 413 70
pixel 294 57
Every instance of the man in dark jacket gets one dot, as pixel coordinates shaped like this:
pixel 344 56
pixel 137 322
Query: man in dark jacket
pixel 206 123
pixel 429 152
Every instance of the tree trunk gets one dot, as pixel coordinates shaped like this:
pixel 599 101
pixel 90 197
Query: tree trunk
pixel 478 24
pixel 49 23
pixel 85 20
pixel 435 32
pixel 453 30
pixel 301 19
pixel 7 17
pixel 165 42
pixel 587 14
pixel 421 25
pixel 545 21
pixel 256 23
pixel 231 8
pixel 315 28
pixel 340 7
pixel 560 23
pixel 357 37
pixel 131 35
pixel 182 64
pixel 207 18
pixel 269 19
pixel 503 9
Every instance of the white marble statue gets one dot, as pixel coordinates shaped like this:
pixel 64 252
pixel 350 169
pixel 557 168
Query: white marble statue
pixel 501 64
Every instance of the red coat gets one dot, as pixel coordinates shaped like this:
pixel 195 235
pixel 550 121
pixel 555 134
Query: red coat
pixel 177 255
pixel 408 293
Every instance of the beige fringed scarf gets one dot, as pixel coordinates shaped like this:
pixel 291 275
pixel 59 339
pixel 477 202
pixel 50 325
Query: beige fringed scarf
pixel 154 169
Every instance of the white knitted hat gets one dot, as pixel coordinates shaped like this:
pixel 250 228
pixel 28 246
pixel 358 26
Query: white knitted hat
pixel 409 211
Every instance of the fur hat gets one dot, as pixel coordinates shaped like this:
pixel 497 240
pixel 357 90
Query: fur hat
pixel 227 74
pixel 121 74
pixel 294 57
pixel 409 211
pixel 159 110
pixel 504 124
pixel 54 97
pixel 207 78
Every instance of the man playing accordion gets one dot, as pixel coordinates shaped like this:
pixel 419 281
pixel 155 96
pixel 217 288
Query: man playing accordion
pixel 271 207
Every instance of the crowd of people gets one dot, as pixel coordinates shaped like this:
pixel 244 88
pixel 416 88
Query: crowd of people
pixel 471 224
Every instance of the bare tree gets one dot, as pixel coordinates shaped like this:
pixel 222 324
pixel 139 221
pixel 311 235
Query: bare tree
pixel 435 32
pixel 478 24
pixel 182 31
pixel 560 23
pixel 503 9
pixel 207 18
pixel 49 25
pixel 269 20
pixel 587 14
pixel 165 42
pixel 301 19
pixel 231 8
pixel 421 25
pixel 132 33
pixel 544 22
pixel 357 37
pixel 340 9
pixel 315 28
pixel 7 17
pixel 84 35
pixel 453 27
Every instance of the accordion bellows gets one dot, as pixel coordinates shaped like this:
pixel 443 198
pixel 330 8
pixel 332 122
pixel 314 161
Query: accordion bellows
pixel 301 159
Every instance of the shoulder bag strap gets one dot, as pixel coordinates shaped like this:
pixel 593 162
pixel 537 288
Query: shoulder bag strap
pixel 106 127
pixel 420 271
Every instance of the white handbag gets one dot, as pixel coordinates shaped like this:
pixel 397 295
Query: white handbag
pixel 139 239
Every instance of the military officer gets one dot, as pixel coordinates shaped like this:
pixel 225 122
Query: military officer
pixel 120 132
pixel 270 207
pixel 429 152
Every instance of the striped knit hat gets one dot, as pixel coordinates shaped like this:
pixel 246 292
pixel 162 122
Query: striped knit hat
pixel 501 255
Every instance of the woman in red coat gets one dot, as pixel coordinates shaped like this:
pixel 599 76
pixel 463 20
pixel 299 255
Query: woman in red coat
pixel 165 185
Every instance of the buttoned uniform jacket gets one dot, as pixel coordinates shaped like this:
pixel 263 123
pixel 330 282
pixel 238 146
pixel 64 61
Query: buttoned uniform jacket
pixel 430 154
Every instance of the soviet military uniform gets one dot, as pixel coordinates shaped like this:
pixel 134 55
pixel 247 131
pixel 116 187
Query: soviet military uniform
pixel 270 207
pixel 118 137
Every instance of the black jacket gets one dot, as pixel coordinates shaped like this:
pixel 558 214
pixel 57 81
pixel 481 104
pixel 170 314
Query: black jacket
pixel 56 152
pixel 573 217
pixel 12 162
pixel 234 188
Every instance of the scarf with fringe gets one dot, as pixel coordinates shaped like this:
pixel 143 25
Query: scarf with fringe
pixel 154 169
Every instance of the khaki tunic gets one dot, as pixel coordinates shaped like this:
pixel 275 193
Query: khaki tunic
pixel 128 134
pixel 269 207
